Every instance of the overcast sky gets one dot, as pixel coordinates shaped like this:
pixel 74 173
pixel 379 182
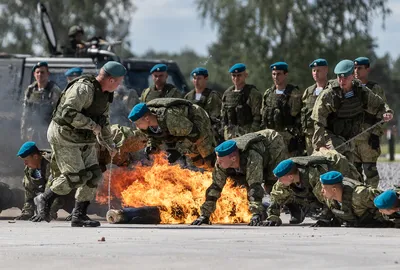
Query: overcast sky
pixel 172 25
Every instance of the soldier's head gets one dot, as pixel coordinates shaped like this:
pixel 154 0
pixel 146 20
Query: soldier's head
pixel 361 68
pixel 30 154
pixel 41 72
pixel 142 117
pixel 344 72
pixel 319 69
pixel 73 73
pixel 111 75
pixel 159 74
pixel 238 74
pixel 279 71
pixel 199 77
pixel 388 202
pixel 76 32
pixel 228 155
pixel 332 187
pixel 286 172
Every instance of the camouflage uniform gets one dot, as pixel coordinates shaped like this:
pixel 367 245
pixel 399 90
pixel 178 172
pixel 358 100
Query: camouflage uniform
pixel 10 197
pixel 36 113
pixel 82 106
pixel 183 123
pixel 308 192
pixel 337 119
pixel 240 111
pixel 258 156
pixel 308 100
pixel 366 153
pixel 168 91
pixel 211 102
pixel 281 112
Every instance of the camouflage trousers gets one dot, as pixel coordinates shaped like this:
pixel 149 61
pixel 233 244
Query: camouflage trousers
pixel 365 159
pixel 333 141
pixel 309 145
pixel 79 168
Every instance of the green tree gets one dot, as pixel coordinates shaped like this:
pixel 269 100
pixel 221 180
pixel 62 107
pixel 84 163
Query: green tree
pixel 21 28
pixel 259 33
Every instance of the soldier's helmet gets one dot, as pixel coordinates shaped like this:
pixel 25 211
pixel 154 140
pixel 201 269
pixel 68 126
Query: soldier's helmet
pixel 75 29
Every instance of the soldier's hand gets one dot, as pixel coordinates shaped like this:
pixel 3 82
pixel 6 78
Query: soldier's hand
pixel 114 151
pixel 201 220
pixel 23 217
pixel 255 220
pixel 387 117
pixel 37 218
pixel 97 130
pixel 374 141
pixel 272 221
pixel 150 150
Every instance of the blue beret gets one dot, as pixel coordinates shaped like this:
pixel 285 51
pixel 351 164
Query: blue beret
pixel 27 149
pixel 199 71
pixel 237 68
pixel 76 71
pixel 361 61
pixel 226 148
pixel 114 69
pixel 331 178
pixel 344 68
pixel 283 168
pixel 279 66
pixel 386 200
pixel 138 111
pixel 40 64
pixel 158 68
pixel 320 62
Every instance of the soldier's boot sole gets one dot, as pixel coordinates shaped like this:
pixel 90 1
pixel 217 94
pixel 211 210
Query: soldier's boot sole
pixel 84 223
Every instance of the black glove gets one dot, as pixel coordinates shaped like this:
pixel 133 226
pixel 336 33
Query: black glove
pixel 255 220
pixel 374 141
pixel 272 221
pixel 293 145
pixel 150 150
pixel 37 218
pixel 23 217
pixel 201 220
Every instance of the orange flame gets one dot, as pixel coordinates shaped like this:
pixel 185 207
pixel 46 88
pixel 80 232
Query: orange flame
pixel 177 192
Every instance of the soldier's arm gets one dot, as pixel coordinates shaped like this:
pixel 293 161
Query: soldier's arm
pixel 25 113
pixel 255 103
pixel 214 106
pixel 322 108
pixel 263 105
pixel 56 95
pixel 295 102
pixel 29 206
pixel 213 193
pixel 254 178
pixel 177 93
pixel 106 130
pixel 375 104
pixel 377 89
pixel 279 195
pixel 76 99
pixel 363 199
pixel 143 95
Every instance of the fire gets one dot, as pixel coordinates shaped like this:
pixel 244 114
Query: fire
pixel 177 192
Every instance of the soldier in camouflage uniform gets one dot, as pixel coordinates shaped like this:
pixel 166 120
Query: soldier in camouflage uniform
pixel 349 202
pixel 281 109
pixel 367 146
pixel 339 110
pixel 388 203
pixel 40 98
pixel 248 160
pixel 241 104
pixel 76 46
pixel 81 114
pixel 299 184
pixel 206 98
pixel 171 121
pixel 160 88
pixel 320 75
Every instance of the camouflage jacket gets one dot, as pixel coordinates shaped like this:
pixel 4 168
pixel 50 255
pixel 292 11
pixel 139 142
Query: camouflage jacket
pixel 168 91
pixel 210 101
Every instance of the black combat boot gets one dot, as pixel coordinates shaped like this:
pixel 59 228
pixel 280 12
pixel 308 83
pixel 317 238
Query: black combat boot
pixel 79 217
pixel 296 212
pixel 43 204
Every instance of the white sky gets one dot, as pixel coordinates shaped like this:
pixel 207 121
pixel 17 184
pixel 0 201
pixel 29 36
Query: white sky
pixel 172 25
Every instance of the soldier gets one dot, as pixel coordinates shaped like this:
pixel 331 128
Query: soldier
pixel 248 160
pixel 206 98
pixel 40 99
pixel 241 104
pixel 319 69
pixel 350 202
pixel 168 121
pixel 388 203
pixel 76 45
pixel 299 188
pixel 339 110
pixel 10 197
pixel 160 88
pixel 73 73
pixel 367 146
pixel 281 109
pixel 81 115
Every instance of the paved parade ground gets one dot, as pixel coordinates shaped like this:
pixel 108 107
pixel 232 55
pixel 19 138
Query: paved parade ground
pixel 55 245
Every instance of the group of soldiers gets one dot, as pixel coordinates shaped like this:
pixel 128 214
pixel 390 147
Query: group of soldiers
pixel 258 140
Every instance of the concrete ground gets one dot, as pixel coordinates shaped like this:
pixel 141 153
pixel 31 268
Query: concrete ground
pixel 55 245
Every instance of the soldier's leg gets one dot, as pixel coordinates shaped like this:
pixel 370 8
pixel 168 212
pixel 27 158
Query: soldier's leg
pixel 369 157
pixel 358 157
pixel 309 146
pixel 347 149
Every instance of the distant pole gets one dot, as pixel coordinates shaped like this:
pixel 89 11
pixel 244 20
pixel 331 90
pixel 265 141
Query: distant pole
pixel 390 134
